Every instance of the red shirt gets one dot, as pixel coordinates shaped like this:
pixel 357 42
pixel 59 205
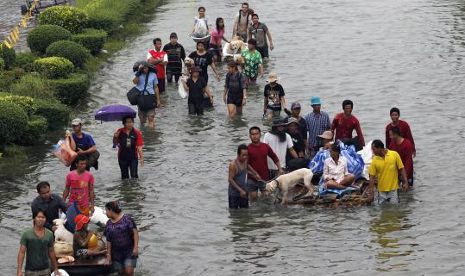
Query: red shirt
pixel 344 127
pixel 405 150
pixel 128 143
pixel 258 158
pixel 160 66
pixel 404 132
pixel 80 185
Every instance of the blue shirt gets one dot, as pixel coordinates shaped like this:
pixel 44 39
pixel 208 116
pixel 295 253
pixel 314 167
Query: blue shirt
pixel 85 142
pixel 152 82
pixel 317 123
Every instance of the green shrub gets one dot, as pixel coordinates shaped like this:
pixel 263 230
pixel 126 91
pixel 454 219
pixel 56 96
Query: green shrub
pixel 42 36
pixel 71 50
pixel 13 121
pixel 35 131
pixel 7 78
pixel 54 67
pixel 8 55
pixel 71 89
pixel 33 85
pixel 25 61
pixel 68 17
pixel 26 103
pixel 92 39
pixel 56 113
pixel 2 64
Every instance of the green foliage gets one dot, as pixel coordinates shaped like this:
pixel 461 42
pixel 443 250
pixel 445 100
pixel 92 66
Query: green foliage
pixel 25 61
pixel 71 18
pixel 92 39
pixel 7 78
pixel 70 90
pixel 8 55
pixel 2 64
pixel 108 14
pixel 13 121
pixel 71 50
pixel 54 67
pixel 26 103
pixel 33 85
pixel 42 36
pixel 56 113
pixel 35 131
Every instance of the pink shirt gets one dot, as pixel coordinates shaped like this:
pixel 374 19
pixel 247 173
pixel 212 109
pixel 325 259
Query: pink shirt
pixel 79 186
pixel 216 37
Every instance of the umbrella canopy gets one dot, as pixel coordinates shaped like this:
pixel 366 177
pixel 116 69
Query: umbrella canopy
pixel 114 112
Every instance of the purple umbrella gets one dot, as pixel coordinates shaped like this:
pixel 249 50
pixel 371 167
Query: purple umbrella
pixel 114 112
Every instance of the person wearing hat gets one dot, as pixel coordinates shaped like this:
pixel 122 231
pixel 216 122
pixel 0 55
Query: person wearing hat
pixel 281 143
pixel 253 67
pixel 86 243
pixel 176 55
pixel 295 113
pixel 344 125
pixel 83 144
pixel 146 81
pixel 327 137
pixel 235 90
pixel 159 58
pixel 299 146
pixel 274 100
pixel 317 123
pixel 196 87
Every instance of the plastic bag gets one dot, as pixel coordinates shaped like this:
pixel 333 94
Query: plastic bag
pixel 318 161
pixel 367 155
pixel 355 162
pixel 64 153
pixel 200 28
pixel 182 92
pixel 62 273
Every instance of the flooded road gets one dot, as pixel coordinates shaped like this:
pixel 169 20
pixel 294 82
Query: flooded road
pixel 380 54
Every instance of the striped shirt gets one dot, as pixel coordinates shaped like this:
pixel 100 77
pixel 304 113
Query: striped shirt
pixel 317 123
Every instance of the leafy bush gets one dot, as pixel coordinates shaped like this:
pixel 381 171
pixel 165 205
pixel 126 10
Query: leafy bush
pixel 54 67
pixel 56 113
pixel 2 64
pixel 71 18
pixel 25 61
pixel 92 39
pixel 71 89
pixel 71 50
pixel 108 14
pixel 13 121
pixel 33 85
pixel 8 77
pixel 42 36
pixel 8 55
pixel 26 103
pixel 35 131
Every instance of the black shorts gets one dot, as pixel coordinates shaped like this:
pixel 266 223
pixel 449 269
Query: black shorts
pixel 263 51
pixel 237 202
pixel 195 108
pixel 235 100
pixel 161 85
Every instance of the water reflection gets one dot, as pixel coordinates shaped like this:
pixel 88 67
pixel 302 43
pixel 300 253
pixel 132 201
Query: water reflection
pixel 387 228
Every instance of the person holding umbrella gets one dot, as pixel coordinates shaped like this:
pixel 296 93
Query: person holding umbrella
pixel 129 141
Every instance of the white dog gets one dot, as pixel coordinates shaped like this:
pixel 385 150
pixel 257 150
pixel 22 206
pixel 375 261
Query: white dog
pixel 287 181
pixel 62 234
pixel 99 217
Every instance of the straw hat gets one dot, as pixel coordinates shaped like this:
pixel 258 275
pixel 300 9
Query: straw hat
pixel 327 135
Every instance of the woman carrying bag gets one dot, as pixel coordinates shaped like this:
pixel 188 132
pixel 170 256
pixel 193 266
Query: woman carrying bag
pixel 149 98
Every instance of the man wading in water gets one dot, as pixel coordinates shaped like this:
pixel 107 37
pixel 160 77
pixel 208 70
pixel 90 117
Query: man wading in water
pixel 242 21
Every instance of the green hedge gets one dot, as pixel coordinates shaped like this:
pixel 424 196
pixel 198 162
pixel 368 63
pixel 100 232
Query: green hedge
pixel 33 85
pixel 70 90
pixel 8 55
pixel 7 78
pixel 68 17
pixel 54 67
pixel 26 103
pixel 25 61
pixel 56 113
pixel 2 64
pixel 71 50
pixel 92 39
pixel 13 122
pixel 42 36
pixel 35 131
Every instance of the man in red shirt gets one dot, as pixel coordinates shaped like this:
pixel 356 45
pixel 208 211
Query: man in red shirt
pixel 159 58
pixel 405 149
pixel 344 124
pixel 403 127
pixel 258 160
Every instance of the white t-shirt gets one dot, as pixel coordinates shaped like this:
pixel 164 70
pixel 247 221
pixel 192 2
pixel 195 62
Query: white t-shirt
pixel 337 171
pixel 279 148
